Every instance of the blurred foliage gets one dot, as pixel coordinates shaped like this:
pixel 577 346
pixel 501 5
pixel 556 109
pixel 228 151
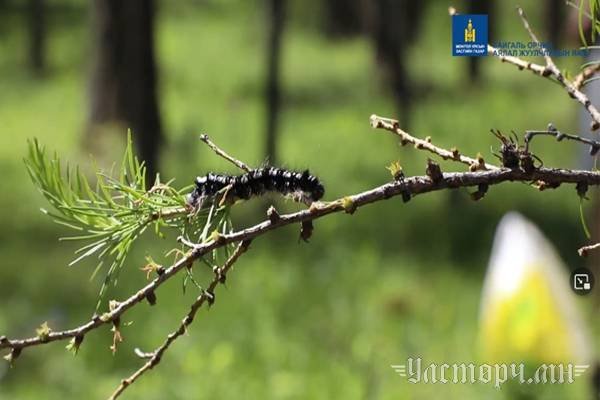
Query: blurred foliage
pixel 323 320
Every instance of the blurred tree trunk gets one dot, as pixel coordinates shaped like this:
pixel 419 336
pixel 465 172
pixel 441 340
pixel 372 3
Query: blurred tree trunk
pixel 276 15
pixel 479 7
pixel 395 25
pixel 37 25
pixel 555 17
pixel 123 81
pixel 344 18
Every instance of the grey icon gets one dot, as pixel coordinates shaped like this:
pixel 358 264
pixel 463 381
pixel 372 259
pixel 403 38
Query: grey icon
pixel 582 281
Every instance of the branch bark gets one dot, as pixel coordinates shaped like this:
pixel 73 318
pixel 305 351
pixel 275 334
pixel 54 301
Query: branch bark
pixel 425 144
pixel 415 185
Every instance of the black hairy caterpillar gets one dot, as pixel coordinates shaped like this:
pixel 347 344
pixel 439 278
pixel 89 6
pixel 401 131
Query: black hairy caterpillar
pixel 301 185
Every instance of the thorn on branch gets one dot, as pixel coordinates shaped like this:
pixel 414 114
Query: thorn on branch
pixel 306 230
pixel 527 163
pixel 187 320
pixel 210 297
pixel 433 171
pixel 480 160
pixel 113 304
pixel 105 317
pixel 349 205
pixel 455 153
pixel 479 194
pixel 582 188
pixel 219 274
pixel 543 185
pixel 510 153
pixel 117 337
pixel 314 206
pixel 513 155
pixel 13 355
pixel 396 170
pixel 217 238
pixel 151 297
pixel 273 215
pixel 245 245
pixel 74 344
pixel 406 195
pixel 398 174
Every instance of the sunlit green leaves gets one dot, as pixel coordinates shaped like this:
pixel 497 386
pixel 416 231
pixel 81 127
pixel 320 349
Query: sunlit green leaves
pixel 112 215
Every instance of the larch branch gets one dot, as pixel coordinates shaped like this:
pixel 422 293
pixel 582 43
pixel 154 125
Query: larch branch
pixel 207 296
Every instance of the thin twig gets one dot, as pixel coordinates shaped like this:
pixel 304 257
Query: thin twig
pixel 584 251
pixel 185 242
pixel 569 87
pixel 206 296
pixel 518 62
pixel 549 62
pixel 420 144
pixel 240 164
pixel 552 131
pixel 581 79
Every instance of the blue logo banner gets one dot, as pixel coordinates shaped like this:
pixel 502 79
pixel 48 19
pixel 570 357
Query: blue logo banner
pixel 469 35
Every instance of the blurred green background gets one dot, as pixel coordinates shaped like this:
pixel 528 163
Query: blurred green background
pixel 318 320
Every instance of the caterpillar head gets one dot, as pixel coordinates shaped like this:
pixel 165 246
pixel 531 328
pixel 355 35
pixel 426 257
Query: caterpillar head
pixel 312 185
